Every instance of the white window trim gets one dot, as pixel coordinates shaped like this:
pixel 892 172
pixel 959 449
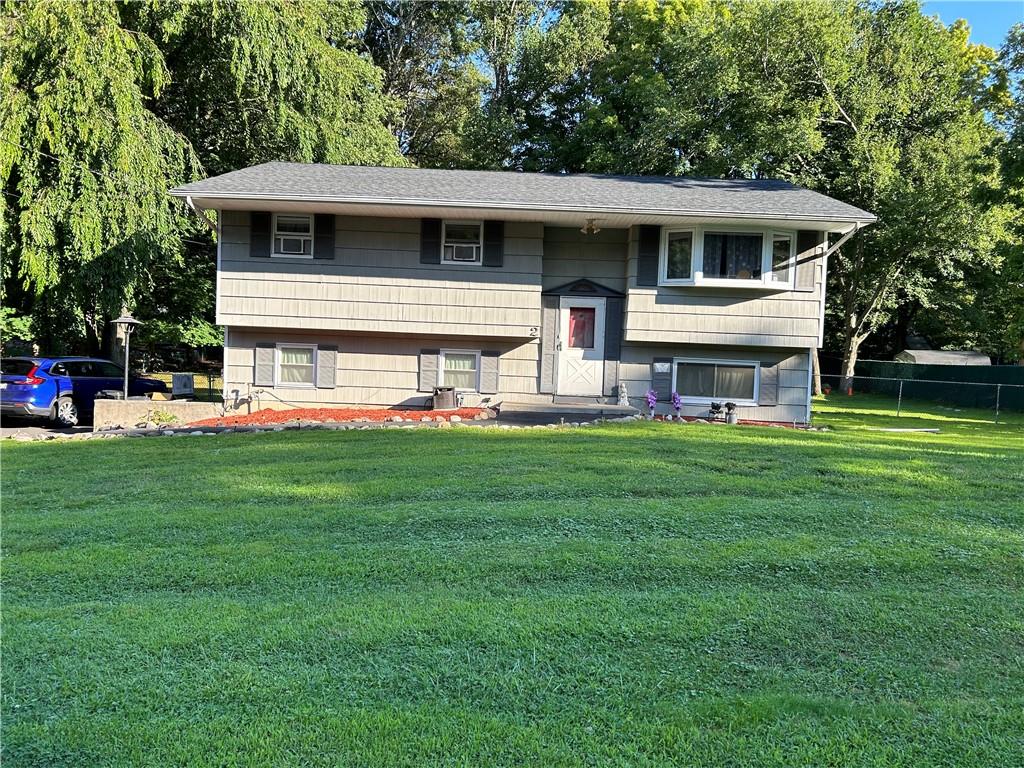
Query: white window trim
pixel 312 237
pixel 697 258
pixel 277 365
pixel 480 244
pixel 755 364
pixel 440 367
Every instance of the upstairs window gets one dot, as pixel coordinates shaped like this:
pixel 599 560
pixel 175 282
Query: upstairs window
pixel 717 256
pixel 733 255
pixel 293 236
pixel 782 257
pixel 678 246
pixel 462 242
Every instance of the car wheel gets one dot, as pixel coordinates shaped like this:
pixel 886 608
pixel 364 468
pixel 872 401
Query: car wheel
pixel 65 412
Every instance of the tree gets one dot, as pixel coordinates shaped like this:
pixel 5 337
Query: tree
pixel 84 164
pixel 424 54
pixel 107 105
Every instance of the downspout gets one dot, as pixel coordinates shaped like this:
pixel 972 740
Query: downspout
pixel 199 212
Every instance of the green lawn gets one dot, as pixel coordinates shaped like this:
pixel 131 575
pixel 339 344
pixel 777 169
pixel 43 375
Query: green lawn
pixel 640 594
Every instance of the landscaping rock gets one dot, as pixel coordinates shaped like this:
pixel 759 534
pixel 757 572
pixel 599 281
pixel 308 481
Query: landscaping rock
pixel 455 418
pixel 426 419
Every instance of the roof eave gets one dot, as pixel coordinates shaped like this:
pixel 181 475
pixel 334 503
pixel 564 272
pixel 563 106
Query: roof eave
pixel 184 192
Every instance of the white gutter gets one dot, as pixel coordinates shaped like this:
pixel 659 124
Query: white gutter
pixel 199 212
pixel 846 236
pixel 474 204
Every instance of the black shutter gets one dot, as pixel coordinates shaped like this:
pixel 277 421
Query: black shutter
pixel 768 386
pixel 494 243
pixel 259 234
pixel 323 243
pixel 661 381
pixel 430 241
pixel 612 342
pixel 807 242
pixel 647 256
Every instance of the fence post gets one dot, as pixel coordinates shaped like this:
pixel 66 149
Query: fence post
pixel 999 388
pixel 899 400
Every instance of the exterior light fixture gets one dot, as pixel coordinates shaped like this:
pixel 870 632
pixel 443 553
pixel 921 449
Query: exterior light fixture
pixel 590 228
pixel 129 323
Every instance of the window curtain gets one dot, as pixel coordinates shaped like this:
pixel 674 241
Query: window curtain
pixel 734 382
pixel 695 380
pixel 732 256
pixel 460 371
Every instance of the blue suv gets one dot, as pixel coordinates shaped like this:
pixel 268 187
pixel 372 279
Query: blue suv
pixel 62 389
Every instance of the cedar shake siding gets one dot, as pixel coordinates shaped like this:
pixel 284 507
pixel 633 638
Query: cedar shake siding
pixel 376 283
pixel 723 315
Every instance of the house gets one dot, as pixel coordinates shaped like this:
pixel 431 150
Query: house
pixel 372 286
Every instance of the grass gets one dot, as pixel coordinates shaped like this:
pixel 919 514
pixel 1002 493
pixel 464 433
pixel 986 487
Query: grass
pixel 641 594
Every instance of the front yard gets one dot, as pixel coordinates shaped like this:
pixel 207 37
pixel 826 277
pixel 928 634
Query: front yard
pixel 640 594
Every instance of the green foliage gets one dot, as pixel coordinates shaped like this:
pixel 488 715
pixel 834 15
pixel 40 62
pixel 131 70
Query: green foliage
pixel 642 594
pixel 424 54
pixel 84 164
pixel 15 329
pixel 104 106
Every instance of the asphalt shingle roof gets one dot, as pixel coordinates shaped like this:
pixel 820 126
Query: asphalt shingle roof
pixel 650 194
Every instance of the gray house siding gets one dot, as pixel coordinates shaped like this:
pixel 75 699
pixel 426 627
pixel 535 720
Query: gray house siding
pixel 570 255
pixel 792 373
pixel 370 370
pixel 722 315
pixel 376 284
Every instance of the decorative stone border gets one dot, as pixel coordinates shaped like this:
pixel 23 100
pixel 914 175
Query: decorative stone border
pixel 364 424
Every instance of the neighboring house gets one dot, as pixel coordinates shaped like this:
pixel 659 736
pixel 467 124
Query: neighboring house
pixel 943 357
pixel 358 285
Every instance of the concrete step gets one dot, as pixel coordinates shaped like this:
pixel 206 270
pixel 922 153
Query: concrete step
pixel 582 408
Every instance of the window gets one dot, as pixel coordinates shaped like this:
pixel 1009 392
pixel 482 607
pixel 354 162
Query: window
pixel 726 256
pixel 700 381
pixel 581 327
pixel 296 365
pixel 678 254
pixel 14 367
pixel 293 236
pixel 782 257
pixel 462 241
pixel 733 255
pixel 460 369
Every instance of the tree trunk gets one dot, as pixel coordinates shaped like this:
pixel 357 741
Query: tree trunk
pixel 815 372
pixel 851 345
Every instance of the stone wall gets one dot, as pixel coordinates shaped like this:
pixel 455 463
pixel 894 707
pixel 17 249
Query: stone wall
pixel 120 414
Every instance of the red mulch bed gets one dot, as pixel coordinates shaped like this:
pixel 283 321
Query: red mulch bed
pixel 271 416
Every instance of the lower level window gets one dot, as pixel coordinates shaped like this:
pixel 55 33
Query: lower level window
pixel 716 380
pixel 296 365
pixel 460 369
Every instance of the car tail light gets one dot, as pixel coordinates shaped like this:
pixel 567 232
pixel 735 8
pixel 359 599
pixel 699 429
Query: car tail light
pixel 30 377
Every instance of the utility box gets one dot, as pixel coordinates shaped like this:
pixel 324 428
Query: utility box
pixel 444 398
pixel 182 385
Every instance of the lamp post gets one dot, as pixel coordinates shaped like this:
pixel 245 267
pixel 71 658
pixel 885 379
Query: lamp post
pixel 129 324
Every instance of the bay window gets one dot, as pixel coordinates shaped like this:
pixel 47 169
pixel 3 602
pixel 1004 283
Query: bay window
pixel 711 255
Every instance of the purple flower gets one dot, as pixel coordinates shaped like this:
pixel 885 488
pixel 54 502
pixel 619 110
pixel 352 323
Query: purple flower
pixel 677 401
pixel 652 399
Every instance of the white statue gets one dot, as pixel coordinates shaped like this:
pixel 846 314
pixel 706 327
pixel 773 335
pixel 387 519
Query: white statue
pixel 623 395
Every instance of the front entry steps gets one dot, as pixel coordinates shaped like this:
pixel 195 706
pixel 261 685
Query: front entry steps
pixel 586 407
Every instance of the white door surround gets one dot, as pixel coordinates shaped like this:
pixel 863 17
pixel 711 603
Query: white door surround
pixel 580 347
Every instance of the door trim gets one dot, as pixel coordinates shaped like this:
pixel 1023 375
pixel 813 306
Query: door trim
pixel 600 306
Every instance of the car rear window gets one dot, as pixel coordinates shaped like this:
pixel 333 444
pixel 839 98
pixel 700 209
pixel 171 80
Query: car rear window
pixel 15 367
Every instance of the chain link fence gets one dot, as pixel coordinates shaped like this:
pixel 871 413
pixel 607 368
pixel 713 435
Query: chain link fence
pixel 995 402
pixel 207 386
